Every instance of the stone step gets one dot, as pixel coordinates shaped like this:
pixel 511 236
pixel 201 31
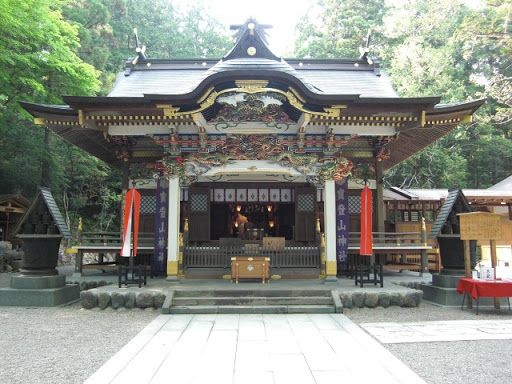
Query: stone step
pixel 248 309
pixel 251 300
pixel 254 292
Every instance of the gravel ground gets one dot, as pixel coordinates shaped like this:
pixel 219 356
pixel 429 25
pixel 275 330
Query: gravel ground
pixel 63 345
pixel 454 362
pixel 67 344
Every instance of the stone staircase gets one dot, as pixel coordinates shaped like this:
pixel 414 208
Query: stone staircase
pixel 252 301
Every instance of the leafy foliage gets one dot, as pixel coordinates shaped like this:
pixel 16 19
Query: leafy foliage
pixel 432 48
pixel 56 47
pixel 38 62
pixel 339 30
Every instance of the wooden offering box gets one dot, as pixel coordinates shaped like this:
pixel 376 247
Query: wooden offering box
pixel 250 268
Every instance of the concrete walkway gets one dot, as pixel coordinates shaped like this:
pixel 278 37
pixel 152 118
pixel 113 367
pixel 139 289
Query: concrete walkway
pixel 431 331
pixel 253 349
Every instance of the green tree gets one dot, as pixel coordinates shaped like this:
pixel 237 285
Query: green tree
pixel 38 63
pixel 106 30
pixel 56 47
pixel 486 33
pixel 340 28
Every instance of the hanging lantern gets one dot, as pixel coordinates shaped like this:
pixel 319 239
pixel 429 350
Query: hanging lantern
pixel 366 246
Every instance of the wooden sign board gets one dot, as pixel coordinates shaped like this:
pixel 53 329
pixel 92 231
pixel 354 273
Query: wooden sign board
pixel 480 226
pixel 506 231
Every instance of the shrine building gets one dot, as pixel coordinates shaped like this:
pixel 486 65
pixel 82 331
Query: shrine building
pixel 252 147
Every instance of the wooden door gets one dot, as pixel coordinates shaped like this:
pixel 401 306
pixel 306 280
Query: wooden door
pixel 305 213
pixel 219 221
pixel 199 214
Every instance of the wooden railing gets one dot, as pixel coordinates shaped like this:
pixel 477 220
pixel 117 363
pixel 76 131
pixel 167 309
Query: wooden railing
pixel 105 243
pixel 391 239
pixel 402 245
pixel 217 257
pixel 110 238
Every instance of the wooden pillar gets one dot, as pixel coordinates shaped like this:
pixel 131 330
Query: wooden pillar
pixel 494 263
pixel 467 268
pixel 125 184
pixel 424 255
pixel 173 232
pixel 379 197
pixel 380 216
pixel 331 268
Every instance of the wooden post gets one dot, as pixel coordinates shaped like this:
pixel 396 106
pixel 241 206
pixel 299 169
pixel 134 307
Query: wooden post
pixel 125 185
pixel 330 230
pixel 494 262
pixel 379 197
pixel 424 256
pixel 79 257
pixel 380 216
pixel 467 268
pixel 173 234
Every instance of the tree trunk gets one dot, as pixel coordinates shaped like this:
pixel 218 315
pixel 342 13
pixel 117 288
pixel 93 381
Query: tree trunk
pixel 46 163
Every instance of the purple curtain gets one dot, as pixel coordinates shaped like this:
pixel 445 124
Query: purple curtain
pixel 159 260
pixel 342 216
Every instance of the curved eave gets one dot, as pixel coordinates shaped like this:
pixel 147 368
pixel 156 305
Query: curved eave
pixel 469 106
pixel 89 140
pixel 37 110
pixel 440 121
pixel 150 100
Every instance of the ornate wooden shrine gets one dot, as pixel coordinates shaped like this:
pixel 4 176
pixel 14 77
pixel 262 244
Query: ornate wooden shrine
pixel 253 135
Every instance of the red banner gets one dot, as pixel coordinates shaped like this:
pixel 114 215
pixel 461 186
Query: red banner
pixel 131 222
pixel 366 246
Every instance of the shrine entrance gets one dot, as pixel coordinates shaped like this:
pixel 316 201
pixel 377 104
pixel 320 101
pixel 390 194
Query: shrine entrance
pixel 277 221
pixel 252 212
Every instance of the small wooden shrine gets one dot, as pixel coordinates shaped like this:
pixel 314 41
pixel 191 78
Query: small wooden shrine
pixel 446 229
pixel 12 208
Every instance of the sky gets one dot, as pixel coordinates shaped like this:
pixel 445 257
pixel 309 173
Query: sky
pixel 283 15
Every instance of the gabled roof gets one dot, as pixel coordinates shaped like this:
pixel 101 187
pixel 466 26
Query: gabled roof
pixel 503 185
pixel 478 196
pixel 252 57
pixel 13 203
pixel 455 203
pixel 350 98
pixel 43 204
pixel 181 77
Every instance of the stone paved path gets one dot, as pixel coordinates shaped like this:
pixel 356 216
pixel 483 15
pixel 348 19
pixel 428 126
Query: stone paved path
pixel 253 349
pixel 389 333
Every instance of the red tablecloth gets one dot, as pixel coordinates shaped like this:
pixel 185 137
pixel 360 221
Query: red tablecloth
pixel 485 288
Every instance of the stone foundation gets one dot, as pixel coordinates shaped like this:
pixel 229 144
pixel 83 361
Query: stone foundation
pixel 153 299
pixel 145 299
pixel 375 299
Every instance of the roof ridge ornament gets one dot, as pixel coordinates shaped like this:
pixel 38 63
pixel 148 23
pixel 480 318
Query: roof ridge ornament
pixel 140 51
pixel 366 50
pixel 250 41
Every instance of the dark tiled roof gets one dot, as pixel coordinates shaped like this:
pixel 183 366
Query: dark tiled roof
pixel 174 79
pixel 364 83
pixel 163 82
